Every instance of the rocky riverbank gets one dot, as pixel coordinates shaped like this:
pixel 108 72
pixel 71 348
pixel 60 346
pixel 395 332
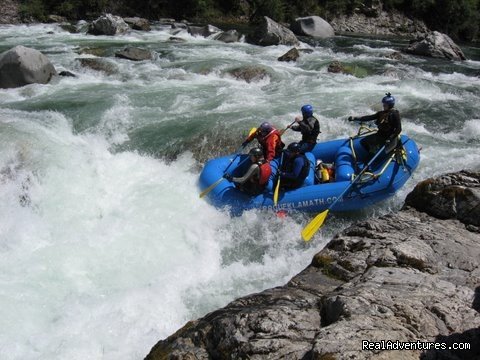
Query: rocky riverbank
pixel 410 276
pixel 10 12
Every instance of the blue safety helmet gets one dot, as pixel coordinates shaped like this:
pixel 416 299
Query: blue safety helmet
pixel 389 100
pixel 293 147
pixel 265 128
pixel 307 110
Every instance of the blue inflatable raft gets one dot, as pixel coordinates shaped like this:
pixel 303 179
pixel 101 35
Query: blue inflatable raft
pixel 387 174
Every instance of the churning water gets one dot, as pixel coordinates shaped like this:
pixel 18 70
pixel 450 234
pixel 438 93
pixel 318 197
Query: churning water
pixel 105 246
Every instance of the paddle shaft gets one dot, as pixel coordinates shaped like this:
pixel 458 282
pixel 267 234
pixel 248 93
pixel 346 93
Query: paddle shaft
pixel 277 188
pixel 357 177
pixel 211 187
pixel 288 127
pixel 317 222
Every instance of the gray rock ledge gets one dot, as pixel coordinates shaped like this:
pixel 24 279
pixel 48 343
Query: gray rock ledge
pixel 408 276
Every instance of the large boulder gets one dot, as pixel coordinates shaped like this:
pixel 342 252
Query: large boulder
pixel 450 196
pixel 269 32
pixel 313 26
pixel 102 65
pixel 291 55
pixel 108 25
pixel 137 23
pixel 400 277
pixel 249 73
pixel 437 45
pixel 135 54
pixel 21 66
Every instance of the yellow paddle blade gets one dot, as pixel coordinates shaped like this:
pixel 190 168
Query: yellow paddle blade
pixel 275 194
pixel 210 188
pixel 252 130
pixel 313 226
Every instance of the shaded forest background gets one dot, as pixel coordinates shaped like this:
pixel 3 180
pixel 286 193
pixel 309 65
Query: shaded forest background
pixel 458 18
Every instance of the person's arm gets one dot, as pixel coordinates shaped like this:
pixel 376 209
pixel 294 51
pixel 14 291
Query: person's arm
pixel 368 117
pixel 250 138
pixel 252 170
pixel 364 118
pixel 296 127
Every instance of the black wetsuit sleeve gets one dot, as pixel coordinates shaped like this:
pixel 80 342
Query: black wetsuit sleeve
pixel 368 117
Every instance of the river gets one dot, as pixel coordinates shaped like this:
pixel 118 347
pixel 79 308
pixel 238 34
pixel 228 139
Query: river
pixel 105 246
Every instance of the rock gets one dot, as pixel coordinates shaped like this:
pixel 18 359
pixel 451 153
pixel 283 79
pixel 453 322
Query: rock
pixel 56 19
pixel 451 196
pixel 268 32
pixel 108 25
pixel 407 276
pixel 66 73
pixel 291 55
pixel 313 26
pixel 102 65
pixel 21 66
pixel 10 13
pixel 137 23
pixel 176 39
pixel 336 67
pixel 82 26
pixel 396 55
pixel 437 45
pixel 204 31
pixel 229 36
pixel 96 51
pixel 249 73
pixel 392 22
pixel 135 54
pixel 177 25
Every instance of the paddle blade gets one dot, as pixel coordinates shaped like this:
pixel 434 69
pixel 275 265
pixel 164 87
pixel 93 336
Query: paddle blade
pixel 275 194
pixel 313 226
pixel 210 188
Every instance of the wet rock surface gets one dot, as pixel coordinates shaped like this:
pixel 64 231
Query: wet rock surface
pixel 410 276
pixel 437 45
pixel 22 66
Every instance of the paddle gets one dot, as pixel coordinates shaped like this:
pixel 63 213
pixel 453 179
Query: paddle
pixel 277 188
pixel 288 127
pixel 317 222
pixel 238 153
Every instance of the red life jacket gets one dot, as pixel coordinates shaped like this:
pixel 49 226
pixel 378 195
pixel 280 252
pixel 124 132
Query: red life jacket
pixel 265 172
pixel 272 144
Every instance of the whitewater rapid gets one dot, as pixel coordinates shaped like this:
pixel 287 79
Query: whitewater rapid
pixel 105 246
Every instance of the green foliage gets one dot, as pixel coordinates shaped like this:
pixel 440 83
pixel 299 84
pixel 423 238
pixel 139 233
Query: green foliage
pixel 33 9
pixel 458 18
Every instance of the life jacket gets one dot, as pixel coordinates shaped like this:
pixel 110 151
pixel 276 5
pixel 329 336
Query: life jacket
pixel 256 184
pixel 314 130
pixel 386 122
pixel 305 169
pixel 303 173
pixel 267 144
pixel 265 172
